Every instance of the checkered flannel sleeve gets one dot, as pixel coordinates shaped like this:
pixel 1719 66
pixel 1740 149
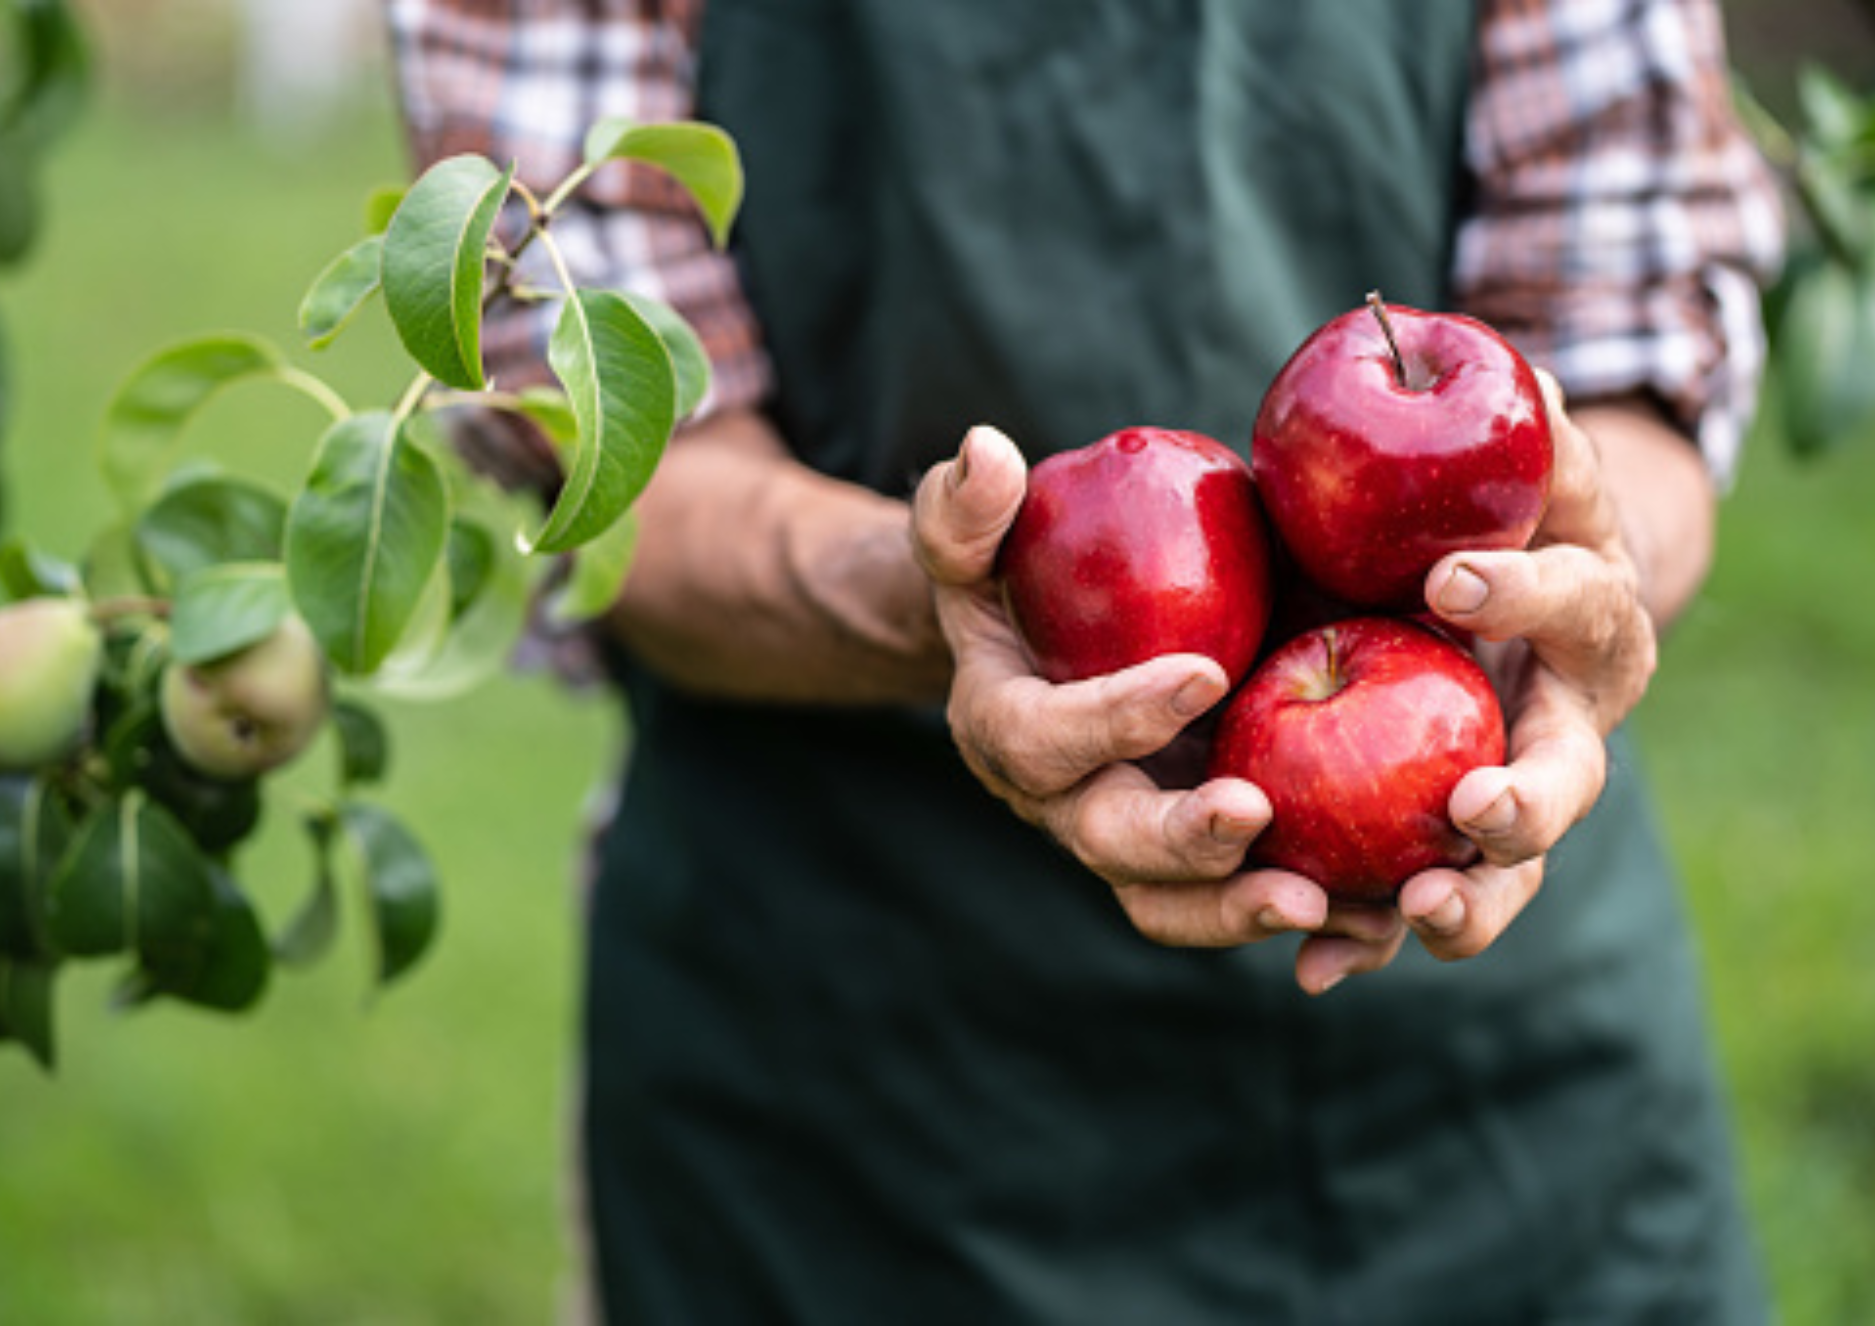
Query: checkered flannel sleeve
pixel 1623 221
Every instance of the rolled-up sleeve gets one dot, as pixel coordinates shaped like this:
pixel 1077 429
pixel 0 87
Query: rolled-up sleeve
pixel 1623 222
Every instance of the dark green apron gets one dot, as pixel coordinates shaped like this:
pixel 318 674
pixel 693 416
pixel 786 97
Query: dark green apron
pixel 863 1048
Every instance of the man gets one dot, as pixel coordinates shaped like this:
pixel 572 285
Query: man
pixel 862 1044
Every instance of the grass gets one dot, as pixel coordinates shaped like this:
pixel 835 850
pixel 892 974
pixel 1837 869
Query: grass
pixel 1758 736
pixel 399 1160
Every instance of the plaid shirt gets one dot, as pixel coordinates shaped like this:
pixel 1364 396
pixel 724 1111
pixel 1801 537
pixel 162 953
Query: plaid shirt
pixel 1620 223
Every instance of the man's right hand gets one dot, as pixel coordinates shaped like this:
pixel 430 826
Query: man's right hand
pixel 1066 758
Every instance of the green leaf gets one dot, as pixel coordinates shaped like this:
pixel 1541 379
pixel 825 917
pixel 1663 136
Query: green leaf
pixel 619 379
pixel 308 936
pixel 26 1007
pixel 34 829
pixel 364 537
pixel 381 205
pixel 434 254
pixel 220 609
pixel 701 157
pixel 1822 355
pixel 477 647
pixel 54 67
pixel 218 814
pixel 364 744
pixel 114 567
pixel 689 360
pixel 230 972
pixel 131 880
pixel 19 198
pixel 549 408
pixel 144 422
pixel 205 519
pixel 340 291
pixel 27 573
pixel 400 884
pixel 423 635
pixel 470 553
pixel 1832 197
pixel 598 574
pixel 1835 115
pixel 484 629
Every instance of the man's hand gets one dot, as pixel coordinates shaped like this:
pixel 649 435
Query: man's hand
pixel 1570 642
pixel 1067 758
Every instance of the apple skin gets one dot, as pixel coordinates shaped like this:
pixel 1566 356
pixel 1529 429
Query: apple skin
pixel 50 655
pixel 251 712
pixel 1146 542
pixel 1368 480
pixel 1357 733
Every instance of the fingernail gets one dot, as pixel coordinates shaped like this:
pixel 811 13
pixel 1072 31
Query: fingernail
pixel 1272 920
pixel 1232 831
pixel 1464 591
pixel 960 470
pixel 1496 817
pixel 1331 983
pixel 1194 697
pixel 1447 917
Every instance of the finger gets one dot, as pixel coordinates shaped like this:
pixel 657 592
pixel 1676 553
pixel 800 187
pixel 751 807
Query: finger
pixel 1044 739
pixel 1459 914
pixel 1579 510
pixel 963 507
pixel 1558 768
pixel 1324 961
pixel 1561 595
pixel 1581 612
pixel 1127 830
pixel 1243 909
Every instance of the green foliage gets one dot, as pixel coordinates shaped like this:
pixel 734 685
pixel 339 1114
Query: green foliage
pixel 44 70
pixel 364 537
pixel 700 156
pixel 623 389
pixel 442 229
pixel 341 290
pixel 412 575
pixel 1821 316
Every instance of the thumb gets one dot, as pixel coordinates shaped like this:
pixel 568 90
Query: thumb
pixel 964 506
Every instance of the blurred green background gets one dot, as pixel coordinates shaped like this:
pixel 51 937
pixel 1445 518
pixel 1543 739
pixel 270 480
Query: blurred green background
pixel 335 1158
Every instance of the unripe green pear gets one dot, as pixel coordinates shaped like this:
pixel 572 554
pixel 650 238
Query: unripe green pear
pixel 50 653
pixel 251 712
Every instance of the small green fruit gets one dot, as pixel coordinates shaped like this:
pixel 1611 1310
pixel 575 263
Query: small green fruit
pixel 251 712
pixel 50 653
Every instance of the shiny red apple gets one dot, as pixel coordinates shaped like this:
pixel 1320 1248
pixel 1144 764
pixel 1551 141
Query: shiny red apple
pixel 1357 733
pixel 1146 542
pixel 1393 437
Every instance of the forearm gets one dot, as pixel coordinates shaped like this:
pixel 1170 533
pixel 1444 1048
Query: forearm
pixel 1664 495
pixel 757 578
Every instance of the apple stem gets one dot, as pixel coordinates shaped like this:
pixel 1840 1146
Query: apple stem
pixel 1386 329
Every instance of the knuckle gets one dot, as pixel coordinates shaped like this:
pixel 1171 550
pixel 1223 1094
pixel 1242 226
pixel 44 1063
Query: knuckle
pixel 1094 839
pixel 1467 943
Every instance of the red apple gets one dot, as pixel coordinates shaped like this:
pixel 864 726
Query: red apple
pixel 1146 542
pixel 1357 733
pixel 1393 437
